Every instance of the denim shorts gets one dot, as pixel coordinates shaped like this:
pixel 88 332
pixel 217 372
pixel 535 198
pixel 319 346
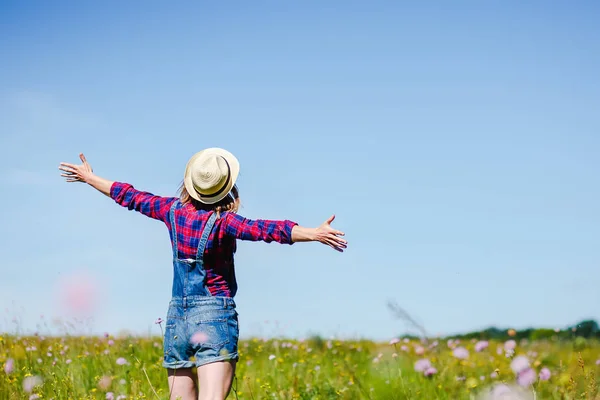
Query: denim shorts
pixel 200 330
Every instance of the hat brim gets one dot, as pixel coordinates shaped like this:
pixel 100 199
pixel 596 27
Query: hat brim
pixel 234 169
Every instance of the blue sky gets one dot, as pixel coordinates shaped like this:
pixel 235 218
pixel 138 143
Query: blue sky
pixel 457 145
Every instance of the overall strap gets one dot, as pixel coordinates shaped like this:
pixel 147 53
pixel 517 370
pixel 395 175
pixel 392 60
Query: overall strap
pixel 173 229
pixel 205 233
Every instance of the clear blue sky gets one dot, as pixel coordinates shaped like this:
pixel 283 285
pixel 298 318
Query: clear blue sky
pixel 458 146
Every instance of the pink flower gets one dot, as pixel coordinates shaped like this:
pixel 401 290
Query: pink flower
pixel 110 396
pixel 79 293
pixel 68 361
pixel 30 382
pixel 430 371
pixel 519 363
pixel 598 361
pixel 9 366
pixel 481 345
pixel 404 347
pixel 526 377
pixel 394 341
pixel 419 350
pixel 494 375
pixel 121 361
pixel 199 337
pixel 545 374
pixel 500 390
pixel 111 342
pixel 510 345
pixel 461 353
pixel 422 365
pixel 104 382
pixel 158 321
pixel 121 397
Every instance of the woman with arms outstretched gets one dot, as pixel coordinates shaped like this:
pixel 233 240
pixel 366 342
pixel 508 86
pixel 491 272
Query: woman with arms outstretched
pixel 203 224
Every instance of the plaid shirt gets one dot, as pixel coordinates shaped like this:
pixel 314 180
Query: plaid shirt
pixel 218 255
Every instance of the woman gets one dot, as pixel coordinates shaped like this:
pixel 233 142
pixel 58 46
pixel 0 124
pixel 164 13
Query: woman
pixel 202 326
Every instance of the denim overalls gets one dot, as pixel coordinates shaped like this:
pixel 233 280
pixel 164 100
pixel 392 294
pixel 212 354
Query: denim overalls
pixel 200 328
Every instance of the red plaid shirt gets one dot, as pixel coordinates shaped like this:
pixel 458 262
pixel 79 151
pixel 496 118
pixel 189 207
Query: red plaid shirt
pixel 218 255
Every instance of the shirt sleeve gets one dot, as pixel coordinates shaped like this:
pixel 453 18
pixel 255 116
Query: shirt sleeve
pixel 259 229
pixel 148 204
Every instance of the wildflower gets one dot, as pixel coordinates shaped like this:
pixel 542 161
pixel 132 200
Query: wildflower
pixel 494 375
pixel 121 361
pixel 272 357
pixel 481 345
pixel 510 345
pixel 158 321
pixel 395 355
pixel 461 353
pixel 500 390
pixel 110 396
pixel 318 368
pixel 122 381
pixel 598 361
pixel 394 341
pixel 519 363
pixel 9 366
pixel 121 397
pixel 104 382
pixel 430 371
pixel 404 347
pixel 526 377
pixel 406 340
pixel 30 382
pixel 68 361
pixel 111 342
pixel 422 365
pixel 199 337
pixel 34 397
pixel 545 374
pixel 419 350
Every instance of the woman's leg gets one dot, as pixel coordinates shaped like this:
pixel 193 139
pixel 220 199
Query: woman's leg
pixel 182 384
pixel 215 380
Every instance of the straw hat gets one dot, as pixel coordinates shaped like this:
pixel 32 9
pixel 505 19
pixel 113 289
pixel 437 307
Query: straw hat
pixel 210 175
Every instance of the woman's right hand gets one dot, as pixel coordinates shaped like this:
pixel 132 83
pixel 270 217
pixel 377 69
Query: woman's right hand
pixel 77 173
pixel 330 236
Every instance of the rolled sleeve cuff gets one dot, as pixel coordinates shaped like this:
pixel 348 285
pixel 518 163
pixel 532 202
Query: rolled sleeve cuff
pixel 287 230
pixel 117 188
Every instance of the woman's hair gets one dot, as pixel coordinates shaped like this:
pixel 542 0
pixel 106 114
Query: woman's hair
pixel 231 202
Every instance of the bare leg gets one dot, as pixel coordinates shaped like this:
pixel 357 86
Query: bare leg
pixel 182 384
pixel 215 380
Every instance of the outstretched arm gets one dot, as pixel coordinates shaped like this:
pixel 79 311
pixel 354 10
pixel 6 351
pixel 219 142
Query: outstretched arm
pixel 324 234
pixel 84 173
pixel 155 207
pixel 286 232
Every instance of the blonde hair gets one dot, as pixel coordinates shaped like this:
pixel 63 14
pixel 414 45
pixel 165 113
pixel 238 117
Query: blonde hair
pixel 230 203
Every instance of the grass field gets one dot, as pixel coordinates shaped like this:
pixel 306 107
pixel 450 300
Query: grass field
pixel 129 368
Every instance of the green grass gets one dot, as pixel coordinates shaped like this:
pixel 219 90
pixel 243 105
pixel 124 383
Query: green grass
pixel 285 369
